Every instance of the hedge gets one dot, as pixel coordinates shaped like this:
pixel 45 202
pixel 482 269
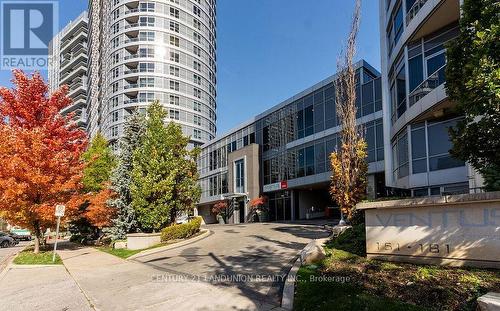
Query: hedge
pixel 181 231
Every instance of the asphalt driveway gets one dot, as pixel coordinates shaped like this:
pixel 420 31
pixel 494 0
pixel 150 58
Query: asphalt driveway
pixel 254 257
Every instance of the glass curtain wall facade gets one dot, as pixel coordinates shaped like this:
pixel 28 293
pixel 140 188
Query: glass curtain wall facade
pixel 417 112
pixel 155 50
pixel 295 139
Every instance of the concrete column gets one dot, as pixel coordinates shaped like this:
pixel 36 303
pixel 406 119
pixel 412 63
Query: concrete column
pixel 370 189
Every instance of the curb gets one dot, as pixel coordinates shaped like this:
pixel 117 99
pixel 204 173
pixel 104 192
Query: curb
pixel 203 234
pixel 289 288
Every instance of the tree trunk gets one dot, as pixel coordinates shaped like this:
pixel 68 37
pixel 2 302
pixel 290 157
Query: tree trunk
pixel 38 237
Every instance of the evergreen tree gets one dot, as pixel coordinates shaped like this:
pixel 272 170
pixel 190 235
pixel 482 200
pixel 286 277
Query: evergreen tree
pixel 473 82
pixel 125 221
pixel 164 174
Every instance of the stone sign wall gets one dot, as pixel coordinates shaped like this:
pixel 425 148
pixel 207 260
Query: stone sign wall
pixel 454 230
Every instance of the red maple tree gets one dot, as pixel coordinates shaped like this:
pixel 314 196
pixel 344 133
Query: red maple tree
pixel 40 153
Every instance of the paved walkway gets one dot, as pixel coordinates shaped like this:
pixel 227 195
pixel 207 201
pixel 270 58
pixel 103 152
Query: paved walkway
pixel 41 288
pixel 174 279
pixel 252 258
pixel 112 283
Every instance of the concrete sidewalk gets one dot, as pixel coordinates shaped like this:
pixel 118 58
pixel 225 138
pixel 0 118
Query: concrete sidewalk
pixel 32 287
pixel 112 283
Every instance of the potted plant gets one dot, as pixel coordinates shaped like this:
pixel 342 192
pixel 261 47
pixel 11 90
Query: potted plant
pixel 259 206
pixel 220 210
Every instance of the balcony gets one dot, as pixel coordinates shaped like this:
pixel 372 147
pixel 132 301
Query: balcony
pixel 131 11
pixel 131 56
pixel 130 86
pixel 413 11
pixel 134 25
pixel 126 72
pixel 131 101
pixel 432 82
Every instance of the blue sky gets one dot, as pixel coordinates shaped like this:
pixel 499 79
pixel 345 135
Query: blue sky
pixel 269 50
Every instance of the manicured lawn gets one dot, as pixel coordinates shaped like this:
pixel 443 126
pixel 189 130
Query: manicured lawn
pixel 125 253
pixel 27 257
pixel 122 253
pixel 356 283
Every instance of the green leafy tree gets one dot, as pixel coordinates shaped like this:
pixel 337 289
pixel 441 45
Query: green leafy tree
pixel 473 82
pixel 100 161
pixel 164 174
pixel 94 211
pixel 121 178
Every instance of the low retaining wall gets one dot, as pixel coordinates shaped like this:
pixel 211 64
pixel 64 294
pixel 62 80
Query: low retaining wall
pixel 142 240
pixel 452 230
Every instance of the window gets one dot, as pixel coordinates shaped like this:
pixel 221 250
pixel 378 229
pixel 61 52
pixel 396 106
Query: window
pixel 197 92
pixel 174 40
pixel 147 82
pixel 146 67
pixel 174 26
pixel 174 56
pixel 239 173
pixel 116 28
pixel 197 134
pixel 114 131
pixel 146 97
pixel 174 100
pixel 174 85
pixel 197 79
pixel 114 102
pixel 308 121
pixel 115 87
pixel 400 156
pixel 418 148
pixel 395 28
pixel 147 21
pixel 147 36
pixel 196 37
pixel 197 106
pixel 114 116
pixel 196 10
pixel 147 7
pixel 146 52
pixel 174 114
pixel 197 120
pixel 116 42
pixel 174 12
pixel 196 50
pixel 196 24
pixel 174 71
pixel 115 72
pixel 196 66
pixel 439 146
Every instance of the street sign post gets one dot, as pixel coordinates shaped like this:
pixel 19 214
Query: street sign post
pixel 59 213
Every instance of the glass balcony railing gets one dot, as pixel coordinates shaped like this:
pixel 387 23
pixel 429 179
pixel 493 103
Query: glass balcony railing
pixel 432 82
pixel 130 86
pixel 413 11
pixel 131 101
pixel 126 72
pixel 131 56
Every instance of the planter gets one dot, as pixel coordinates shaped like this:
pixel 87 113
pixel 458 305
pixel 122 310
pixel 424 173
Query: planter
pixel 263 216
pixel 142 240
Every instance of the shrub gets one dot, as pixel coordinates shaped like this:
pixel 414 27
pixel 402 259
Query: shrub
pixel 353 240
pixel 181 231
